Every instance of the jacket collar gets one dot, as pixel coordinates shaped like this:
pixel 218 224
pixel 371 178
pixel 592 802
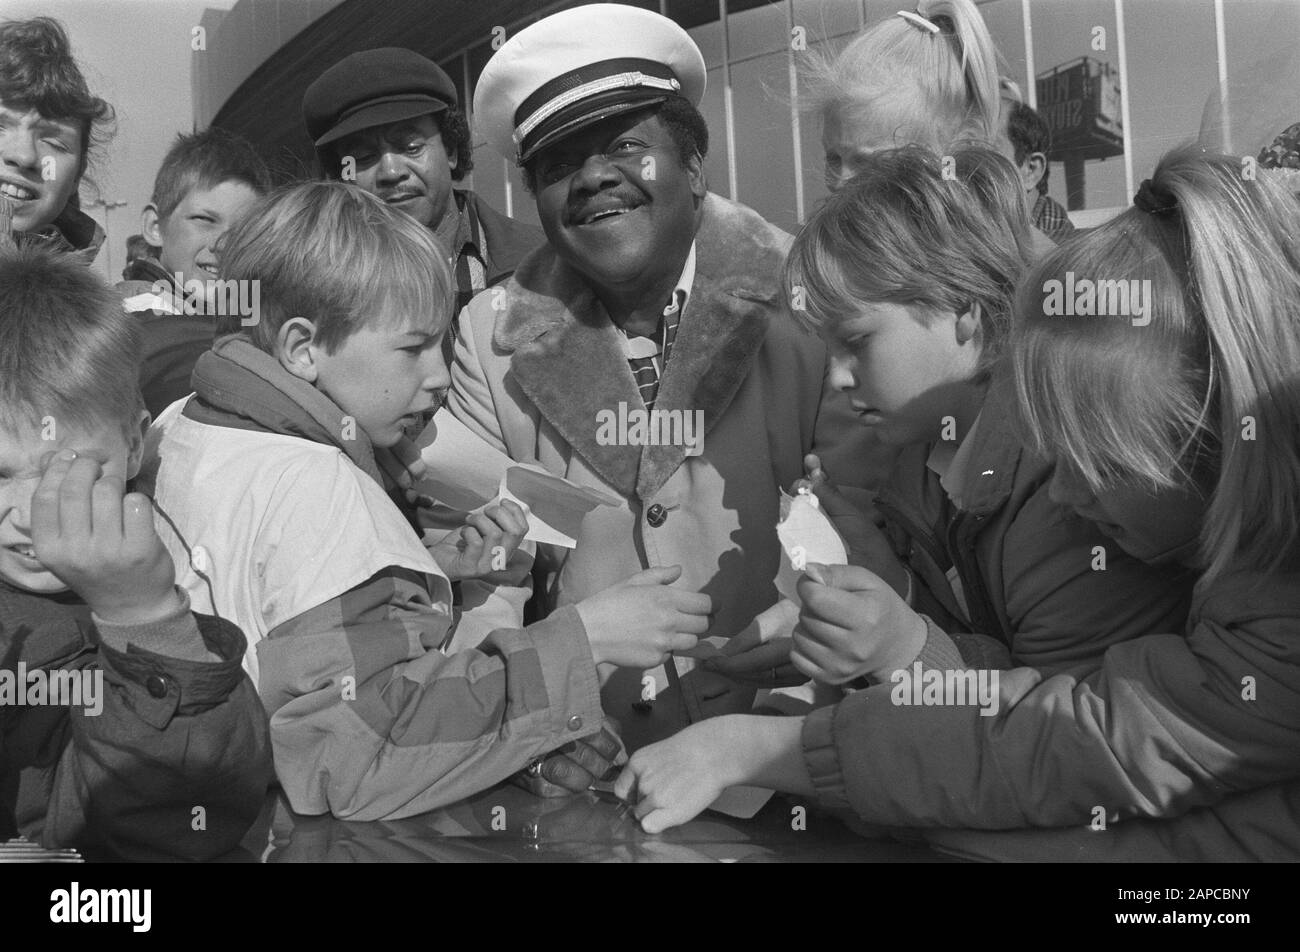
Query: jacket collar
pixel 569 361
pixel 238 385
pixel 508 241
pixel 73 232
pixel 149 270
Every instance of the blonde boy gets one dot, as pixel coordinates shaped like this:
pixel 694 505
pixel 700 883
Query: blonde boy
pixel 270 478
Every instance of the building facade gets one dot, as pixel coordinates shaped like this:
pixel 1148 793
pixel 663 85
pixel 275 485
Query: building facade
pixel 1221 71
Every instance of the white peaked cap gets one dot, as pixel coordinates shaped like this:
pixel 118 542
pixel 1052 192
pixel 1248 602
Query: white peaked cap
pixel 578 67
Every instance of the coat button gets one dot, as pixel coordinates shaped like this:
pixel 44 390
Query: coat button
pixel 656 515
pixel 156 685
pixel 575 723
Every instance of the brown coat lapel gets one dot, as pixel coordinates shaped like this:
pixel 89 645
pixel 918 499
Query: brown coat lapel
pixel 568 358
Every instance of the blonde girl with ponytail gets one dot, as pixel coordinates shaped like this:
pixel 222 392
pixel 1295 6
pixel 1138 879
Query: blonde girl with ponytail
pixel 926 77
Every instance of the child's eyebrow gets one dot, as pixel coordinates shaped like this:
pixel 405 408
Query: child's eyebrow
pixel 40 122
pixel 56 125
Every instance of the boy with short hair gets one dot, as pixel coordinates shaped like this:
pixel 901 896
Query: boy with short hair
pixel 205 183
pixel 272 480
pixel 127 726
pixel 1031 141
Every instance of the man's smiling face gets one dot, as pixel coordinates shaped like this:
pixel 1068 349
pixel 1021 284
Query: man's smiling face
pixel 615 199
pixel 40 165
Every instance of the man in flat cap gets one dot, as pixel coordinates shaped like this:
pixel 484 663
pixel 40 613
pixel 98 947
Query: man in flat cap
pixel 645 350
pixel 390 120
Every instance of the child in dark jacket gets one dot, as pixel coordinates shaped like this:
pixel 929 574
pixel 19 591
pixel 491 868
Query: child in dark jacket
pixel 127 726
pixel 908 273
pixel 206 181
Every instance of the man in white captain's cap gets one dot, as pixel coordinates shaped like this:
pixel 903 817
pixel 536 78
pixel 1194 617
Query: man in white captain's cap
pixel 652 294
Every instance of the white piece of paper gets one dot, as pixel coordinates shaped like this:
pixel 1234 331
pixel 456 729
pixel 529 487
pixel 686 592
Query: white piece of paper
pixel 807 535
pixel 465 475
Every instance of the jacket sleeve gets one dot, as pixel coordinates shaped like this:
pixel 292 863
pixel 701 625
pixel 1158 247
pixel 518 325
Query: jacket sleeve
pixel 175 760
pixel 1158 726
pixel 1064 604
pixel 370 720
pixel 1061 592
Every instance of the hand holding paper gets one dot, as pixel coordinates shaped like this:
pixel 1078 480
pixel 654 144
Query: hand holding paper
pixel 485 544
pixel 866 543
pixel 760 654
pixel 806 535
pixel 852 625
pixel 462 475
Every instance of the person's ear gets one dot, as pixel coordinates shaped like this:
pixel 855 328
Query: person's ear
pixel 968 324
pixel 694 167
pixel 151 225
pixel 135 444
pixel 1032 171
pixel 297 348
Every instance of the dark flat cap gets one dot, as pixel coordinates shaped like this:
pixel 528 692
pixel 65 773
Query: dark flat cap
pixel 374 88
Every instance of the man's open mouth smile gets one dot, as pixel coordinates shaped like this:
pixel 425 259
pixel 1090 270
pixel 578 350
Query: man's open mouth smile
pixel 605 213
pixel 18 193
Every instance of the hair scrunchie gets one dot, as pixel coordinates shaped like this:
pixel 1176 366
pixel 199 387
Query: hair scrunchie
pixel 1155 199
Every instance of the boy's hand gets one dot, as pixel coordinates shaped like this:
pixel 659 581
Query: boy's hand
pixel 867 544
pixel 853 624
pixel 101 543
pixel 671 782
pixel 485 543
pixel 639 622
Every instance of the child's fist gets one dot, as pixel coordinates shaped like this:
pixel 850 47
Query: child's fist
pixel 853 624
pixel 485 544
pixel 101 542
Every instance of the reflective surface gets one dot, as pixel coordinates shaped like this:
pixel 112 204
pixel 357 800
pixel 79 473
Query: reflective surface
pixel 508 824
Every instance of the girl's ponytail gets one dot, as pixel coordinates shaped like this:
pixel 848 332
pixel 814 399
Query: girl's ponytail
pixel 978 59
pixel 927 77
pixel 1243 255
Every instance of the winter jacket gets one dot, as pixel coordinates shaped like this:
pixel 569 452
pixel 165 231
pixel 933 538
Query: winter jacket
pixel 165 757
pixel 370 719
pixel 1183 745
pixel 171 342
pixel 1042 582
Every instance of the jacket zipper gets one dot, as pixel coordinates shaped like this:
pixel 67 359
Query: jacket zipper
pixel 979 605
pixel 914 529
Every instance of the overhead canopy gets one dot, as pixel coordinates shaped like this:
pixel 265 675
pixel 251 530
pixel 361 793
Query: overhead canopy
pixel 267 106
